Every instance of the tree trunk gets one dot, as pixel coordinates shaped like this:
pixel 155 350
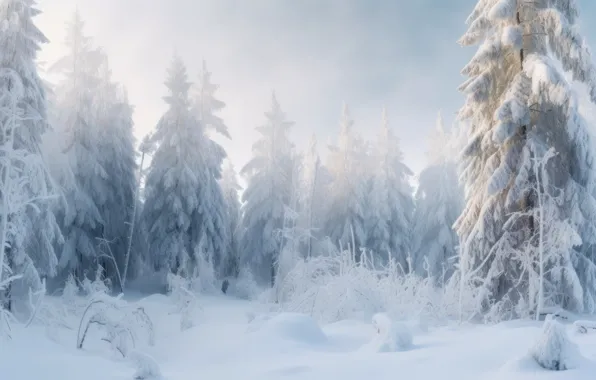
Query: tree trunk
pixel 132 225
pixel 527 203
pixel 272 272
pixel 540 305
pixel 7 297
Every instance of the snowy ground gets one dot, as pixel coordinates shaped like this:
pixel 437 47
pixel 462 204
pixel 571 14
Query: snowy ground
pixel 232 340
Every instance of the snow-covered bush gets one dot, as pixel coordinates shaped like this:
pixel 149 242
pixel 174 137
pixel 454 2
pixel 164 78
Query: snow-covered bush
pixel 184 299
pixel 77 295
pixel 336 287
pixel 146 367
pixel 63 312
pixel 123 324
pixel 553 350
pixel 96 286
pixel 244 286
pixel 389 336
pixel 53 316
pixel 205 280
pixel 71 291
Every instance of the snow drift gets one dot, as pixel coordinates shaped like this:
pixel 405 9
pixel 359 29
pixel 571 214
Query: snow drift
pixel 295 327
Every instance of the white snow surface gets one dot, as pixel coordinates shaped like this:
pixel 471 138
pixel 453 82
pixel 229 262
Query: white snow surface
pixel 225 344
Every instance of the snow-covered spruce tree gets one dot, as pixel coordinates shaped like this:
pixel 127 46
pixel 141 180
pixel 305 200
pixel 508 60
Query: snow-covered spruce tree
pixel 391 205
pixel 82 180
pixel 206 105
pixel 268 191
pixel 291 234
pixel 184 210
pixel 347 192
pixel 230 187
pixel 28 228
pixel 117 158
pixel 518 99
pixel 439 201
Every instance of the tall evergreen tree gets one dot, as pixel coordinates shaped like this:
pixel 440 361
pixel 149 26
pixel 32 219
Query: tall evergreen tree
pixel 83 180
pixel 389 215
pixel 518 106
pixel 230 188
pixel 118 159
pixel 268 191
pixel 206 105
pixel 28 228
pixel 347 193
pixel 439 202
pixel 184 208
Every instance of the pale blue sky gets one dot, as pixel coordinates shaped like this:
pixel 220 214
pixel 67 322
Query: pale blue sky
pixel 314 53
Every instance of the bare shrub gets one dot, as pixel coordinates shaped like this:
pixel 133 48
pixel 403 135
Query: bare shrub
pixel 337 286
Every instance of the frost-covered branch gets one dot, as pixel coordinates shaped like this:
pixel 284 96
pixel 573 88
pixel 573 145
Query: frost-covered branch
pixel 186 302
pixel 110 255
pixel 121 323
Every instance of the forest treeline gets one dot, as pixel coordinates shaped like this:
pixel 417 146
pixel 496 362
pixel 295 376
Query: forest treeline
pixel 506 205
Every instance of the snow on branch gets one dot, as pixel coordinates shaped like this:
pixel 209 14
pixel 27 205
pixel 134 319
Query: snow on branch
pixel 121 323
pixel 503 10
pixel 186 303
pixel 476 32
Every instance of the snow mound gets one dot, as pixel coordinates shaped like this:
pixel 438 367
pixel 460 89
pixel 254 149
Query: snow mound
pixel 527 368
pixel 256 321
pixel 389 336
pixel 347 335
pixel 553 350
pixel 159 299
pixel 146 367
pixel 290 326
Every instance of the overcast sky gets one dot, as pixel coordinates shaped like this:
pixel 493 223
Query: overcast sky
pixel 315 54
